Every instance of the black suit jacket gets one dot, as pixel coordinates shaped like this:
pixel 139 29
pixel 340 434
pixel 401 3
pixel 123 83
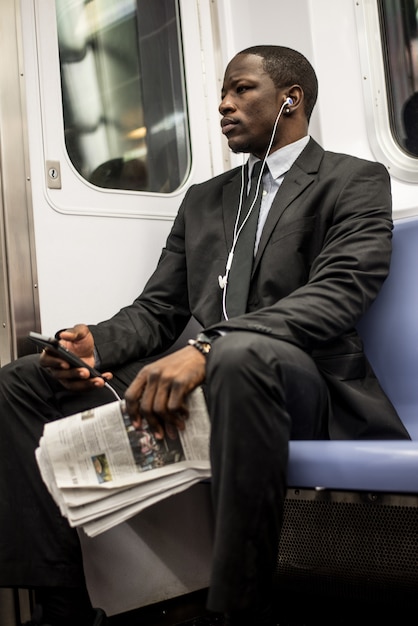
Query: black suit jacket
pixel 323 256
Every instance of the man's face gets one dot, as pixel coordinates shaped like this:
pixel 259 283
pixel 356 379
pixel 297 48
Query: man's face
pixel 249 106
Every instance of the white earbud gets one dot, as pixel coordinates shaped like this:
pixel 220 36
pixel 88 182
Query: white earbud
pixel 288 101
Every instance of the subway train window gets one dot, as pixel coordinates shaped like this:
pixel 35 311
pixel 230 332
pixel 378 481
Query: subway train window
pixel 123 93
pixel 399 31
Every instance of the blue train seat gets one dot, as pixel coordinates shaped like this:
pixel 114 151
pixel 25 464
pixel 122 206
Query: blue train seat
pixel 350 519
pixel 390 334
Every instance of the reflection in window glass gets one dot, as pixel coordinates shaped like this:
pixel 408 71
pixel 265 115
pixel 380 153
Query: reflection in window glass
pixel 399 24
pixel 123 92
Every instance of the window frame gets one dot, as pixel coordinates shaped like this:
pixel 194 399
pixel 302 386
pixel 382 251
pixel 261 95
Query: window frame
pixel 79 197
pixel 384 145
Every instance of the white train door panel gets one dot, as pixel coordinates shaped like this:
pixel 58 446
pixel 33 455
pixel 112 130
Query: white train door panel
pixel 113 95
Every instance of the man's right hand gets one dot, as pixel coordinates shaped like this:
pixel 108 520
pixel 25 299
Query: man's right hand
pixel 80 341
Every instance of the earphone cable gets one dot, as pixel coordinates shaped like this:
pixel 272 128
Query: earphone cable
pixel 237 230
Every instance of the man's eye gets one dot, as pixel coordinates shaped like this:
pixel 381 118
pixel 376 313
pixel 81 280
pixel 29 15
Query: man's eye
pixel 242 88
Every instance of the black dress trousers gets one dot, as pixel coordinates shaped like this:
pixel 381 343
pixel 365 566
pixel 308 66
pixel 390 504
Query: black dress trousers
pixel 261 392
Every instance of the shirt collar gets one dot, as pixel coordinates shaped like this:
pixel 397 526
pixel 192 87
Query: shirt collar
pixel 281 160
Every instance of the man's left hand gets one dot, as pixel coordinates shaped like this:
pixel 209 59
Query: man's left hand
pixel 159 391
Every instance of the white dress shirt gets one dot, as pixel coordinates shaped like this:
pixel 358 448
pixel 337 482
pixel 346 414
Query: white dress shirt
pixel 277 164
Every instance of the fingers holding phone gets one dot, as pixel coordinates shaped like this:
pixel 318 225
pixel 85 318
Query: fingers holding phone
pixel 70 359
pixel 79 341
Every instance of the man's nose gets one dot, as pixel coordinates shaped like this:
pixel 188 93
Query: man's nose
pixel 226 105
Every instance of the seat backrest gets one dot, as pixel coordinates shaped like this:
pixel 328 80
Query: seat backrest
pixel 390 327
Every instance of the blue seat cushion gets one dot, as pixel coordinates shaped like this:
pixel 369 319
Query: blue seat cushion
pixel 390 334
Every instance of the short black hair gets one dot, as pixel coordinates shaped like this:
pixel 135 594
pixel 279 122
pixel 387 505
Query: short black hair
pixel 287 67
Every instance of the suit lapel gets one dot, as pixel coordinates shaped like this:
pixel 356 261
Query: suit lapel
pixel 299 177
pixel 230 203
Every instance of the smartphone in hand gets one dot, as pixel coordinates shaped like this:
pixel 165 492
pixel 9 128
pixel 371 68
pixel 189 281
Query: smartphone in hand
pixel 51 343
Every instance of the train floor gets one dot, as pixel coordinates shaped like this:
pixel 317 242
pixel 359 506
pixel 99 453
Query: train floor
pixel 294 611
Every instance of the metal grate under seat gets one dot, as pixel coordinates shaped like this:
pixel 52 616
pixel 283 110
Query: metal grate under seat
pixel 362 546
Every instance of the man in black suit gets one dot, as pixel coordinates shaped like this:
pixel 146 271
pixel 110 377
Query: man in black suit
pixel 279 354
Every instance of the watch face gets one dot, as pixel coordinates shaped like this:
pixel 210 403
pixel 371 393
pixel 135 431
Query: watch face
pixel 203 346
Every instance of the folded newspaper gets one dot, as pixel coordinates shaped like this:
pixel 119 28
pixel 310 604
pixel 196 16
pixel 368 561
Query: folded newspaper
pixel 101 470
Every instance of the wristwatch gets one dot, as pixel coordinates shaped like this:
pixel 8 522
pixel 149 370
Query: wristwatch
pixel 203 343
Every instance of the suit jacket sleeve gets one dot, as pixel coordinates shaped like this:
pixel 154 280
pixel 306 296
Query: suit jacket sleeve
pixel 179 287
pixel 157 317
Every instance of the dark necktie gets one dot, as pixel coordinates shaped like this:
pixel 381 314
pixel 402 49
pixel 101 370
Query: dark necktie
pixel 242 262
